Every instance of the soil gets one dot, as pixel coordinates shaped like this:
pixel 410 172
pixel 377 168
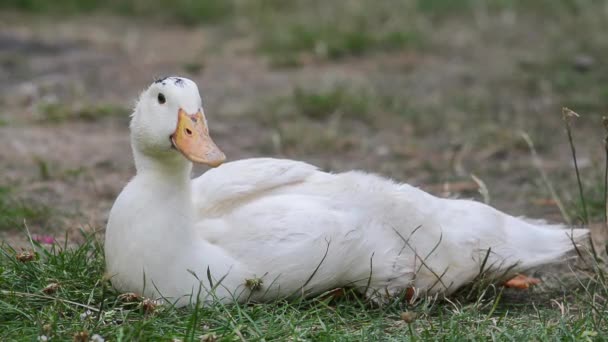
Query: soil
pixel 77 167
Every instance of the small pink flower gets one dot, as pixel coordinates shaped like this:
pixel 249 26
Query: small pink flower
pixel 43 239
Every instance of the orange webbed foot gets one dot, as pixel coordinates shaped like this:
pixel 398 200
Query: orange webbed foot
pixel 521 282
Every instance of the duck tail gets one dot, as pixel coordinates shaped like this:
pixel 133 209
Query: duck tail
pixel 537 243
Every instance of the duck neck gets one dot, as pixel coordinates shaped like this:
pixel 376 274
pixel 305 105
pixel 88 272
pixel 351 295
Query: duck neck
pixel 166 182
pixel 171 169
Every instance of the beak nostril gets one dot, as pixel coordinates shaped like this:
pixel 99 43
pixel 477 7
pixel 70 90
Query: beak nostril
pixel 188 131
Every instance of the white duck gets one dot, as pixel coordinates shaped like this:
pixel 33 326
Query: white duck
pixel 263 229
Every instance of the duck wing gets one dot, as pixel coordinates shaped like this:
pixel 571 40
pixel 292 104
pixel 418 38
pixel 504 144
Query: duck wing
pixel 219 190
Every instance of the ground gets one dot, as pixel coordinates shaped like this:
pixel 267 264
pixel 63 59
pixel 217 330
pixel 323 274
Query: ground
pixel 425 92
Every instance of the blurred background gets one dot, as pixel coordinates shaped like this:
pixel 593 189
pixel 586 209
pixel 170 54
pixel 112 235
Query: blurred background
pixel 427 92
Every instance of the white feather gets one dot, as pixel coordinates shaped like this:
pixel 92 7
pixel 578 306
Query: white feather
pixel 302 231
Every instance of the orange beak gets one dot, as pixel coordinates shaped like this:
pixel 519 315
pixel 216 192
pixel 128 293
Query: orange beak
pixel 191 138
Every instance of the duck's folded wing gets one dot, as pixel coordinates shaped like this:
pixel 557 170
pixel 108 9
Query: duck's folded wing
pixel 219 190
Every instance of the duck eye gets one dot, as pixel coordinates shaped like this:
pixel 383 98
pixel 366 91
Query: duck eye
pixel 161 98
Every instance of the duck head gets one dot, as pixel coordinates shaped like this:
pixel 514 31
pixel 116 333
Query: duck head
pixel 169 123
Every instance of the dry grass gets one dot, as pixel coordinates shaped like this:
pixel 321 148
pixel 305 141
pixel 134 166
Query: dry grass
pixel 427 92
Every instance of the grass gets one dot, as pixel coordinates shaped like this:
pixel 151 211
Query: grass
pixel 442 9
pixel 60 112
pixel 321 105
pixel 317 119
pixel 193 68
pixel 181 11
pixel 324 122
pixel 62 292
pixel 292 33
pixel 295 44
pixel 570 73
pixel 14 211
pixel 594 199
pixel 305 137
pixel 300 32
pixel 52 171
